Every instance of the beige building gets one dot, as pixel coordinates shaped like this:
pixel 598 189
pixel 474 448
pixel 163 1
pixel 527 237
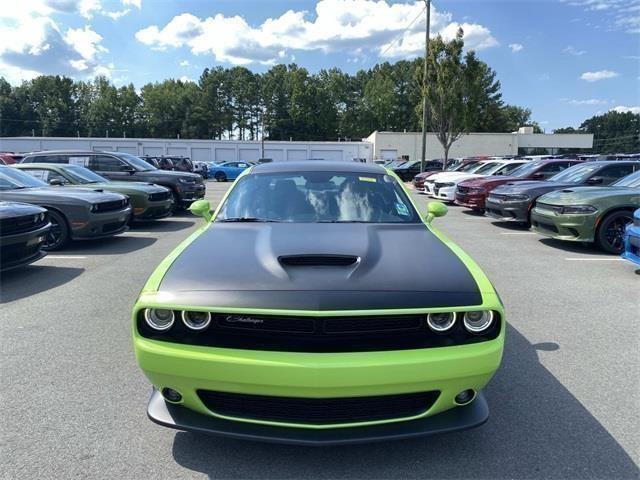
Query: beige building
pixel 392 145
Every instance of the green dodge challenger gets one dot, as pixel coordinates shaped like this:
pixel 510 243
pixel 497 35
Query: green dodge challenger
pixel 301 313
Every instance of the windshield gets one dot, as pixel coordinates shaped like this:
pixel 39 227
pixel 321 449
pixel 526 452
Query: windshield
pixel 468 167
pixel 83 175
pixel 487 168
pixel 631 181
pixel 576 174
pixel 12 178
pixel 318 197
pixel 526 169
pixel 136 162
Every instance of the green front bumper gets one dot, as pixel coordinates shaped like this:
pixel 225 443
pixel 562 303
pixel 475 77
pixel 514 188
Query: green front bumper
pixel 448 370
pixel 577 228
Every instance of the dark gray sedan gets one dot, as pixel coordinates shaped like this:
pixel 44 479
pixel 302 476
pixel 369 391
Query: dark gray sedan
pixel 74 213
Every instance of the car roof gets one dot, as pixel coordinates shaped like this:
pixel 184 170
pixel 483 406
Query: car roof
pixel 63 152
pixel 318 166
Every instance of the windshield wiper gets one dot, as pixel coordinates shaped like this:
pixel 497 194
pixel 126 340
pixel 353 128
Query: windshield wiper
pixel 247 219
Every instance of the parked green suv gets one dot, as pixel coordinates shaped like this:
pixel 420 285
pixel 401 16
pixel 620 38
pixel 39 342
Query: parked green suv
pixel 149 201
pixel 589 214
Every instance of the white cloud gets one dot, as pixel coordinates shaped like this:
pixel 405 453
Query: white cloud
pixel 27 9
pixel 623 109
pixel 589 101
pixel 616 14
pixel 339 25
pixel 599 75
pixel 185 79
pixel 515 47
pixel 571 50
pixel 184 63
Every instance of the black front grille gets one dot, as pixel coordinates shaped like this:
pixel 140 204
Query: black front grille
pixel 112 227
pixel 545 226
pixel 21 224
pixel 318 334
pixel 318 411
pixel 159 196
pixel 114 205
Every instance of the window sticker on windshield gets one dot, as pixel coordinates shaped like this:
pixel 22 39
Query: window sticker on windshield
pixel 367 179
pixel 402 209
pixel 81 161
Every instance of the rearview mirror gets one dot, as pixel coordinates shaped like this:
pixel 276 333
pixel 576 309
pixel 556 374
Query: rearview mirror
pixel 595 180
pixel 201 208
pixel 436 209
pixel 56 182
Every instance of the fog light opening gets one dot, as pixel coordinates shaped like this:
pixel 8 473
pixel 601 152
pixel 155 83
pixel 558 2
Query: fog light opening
pixel 465 397
pixel 171 395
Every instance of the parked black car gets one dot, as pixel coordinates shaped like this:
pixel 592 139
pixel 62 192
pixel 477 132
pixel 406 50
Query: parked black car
pixel 408 170
pixel 185 187
pixel 513 201
pixel 23 229
pixel 74 213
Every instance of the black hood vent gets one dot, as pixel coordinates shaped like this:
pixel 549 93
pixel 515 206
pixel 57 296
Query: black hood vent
pixel 317 260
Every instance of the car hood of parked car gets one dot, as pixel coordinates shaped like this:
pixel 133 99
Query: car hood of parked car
pixel 62 195
pixel 258 265
pixel 581 195
pixel 169 173
pixel 17 209
pixel 490 181
pixel 530 186
pixel 139 186
pixel 447 176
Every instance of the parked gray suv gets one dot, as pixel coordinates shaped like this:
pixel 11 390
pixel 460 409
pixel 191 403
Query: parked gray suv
pixel 185 187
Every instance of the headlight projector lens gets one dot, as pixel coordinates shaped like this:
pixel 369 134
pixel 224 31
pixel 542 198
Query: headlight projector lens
pixel 441 322
pixel 159 319
pixel 478 321
pixel 196 320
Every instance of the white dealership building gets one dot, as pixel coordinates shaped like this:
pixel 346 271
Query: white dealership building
pixel 378 145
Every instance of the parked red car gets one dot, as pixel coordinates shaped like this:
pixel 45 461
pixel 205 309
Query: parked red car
pixel 473 193
pixel 10 158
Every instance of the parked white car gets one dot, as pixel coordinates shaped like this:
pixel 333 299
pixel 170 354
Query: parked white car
pixel 443 185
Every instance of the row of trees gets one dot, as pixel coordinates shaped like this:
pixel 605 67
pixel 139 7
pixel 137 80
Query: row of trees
pixel 285 102
pixel 613 132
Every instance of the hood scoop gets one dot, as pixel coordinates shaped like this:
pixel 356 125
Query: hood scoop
pixel 317 260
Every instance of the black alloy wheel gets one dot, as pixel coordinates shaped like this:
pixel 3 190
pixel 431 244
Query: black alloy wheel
pixel 220 177
pixel 611 231
pixel 58 235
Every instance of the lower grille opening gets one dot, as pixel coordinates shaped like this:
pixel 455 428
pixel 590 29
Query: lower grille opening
pixel 318 411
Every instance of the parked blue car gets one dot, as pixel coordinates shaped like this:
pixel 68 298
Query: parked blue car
pixel 632 240
pixel 227 170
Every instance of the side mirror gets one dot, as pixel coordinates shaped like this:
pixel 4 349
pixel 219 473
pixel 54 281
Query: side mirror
pixel 56 182
pixel 127 168
pixel 595 181
pixel 201 208
pixel 436 209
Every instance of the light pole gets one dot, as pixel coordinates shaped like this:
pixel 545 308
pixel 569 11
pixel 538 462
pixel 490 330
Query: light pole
pixel 424 87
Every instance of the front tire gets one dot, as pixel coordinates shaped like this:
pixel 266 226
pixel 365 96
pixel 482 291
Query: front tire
pixel 220 177
pixel 611 230
pixel 58 235
pixel 175 202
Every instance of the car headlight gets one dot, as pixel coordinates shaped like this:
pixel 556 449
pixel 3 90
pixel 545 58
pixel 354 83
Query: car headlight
pixel 476 190
pixel 442 321
pixel 516 198
pixel 159 319
pixel 478 321
pixel 187 180
pixel 196 320
pixel 579 209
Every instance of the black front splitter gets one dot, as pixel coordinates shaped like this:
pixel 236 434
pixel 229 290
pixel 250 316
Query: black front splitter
pixel 181 418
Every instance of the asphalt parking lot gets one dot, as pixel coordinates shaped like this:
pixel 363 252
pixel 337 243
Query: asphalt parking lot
pixel 564 404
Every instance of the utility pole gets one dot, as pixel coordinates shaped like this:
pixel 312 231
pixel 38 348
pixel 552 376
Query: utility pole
pixel 262 134
pixel 424 87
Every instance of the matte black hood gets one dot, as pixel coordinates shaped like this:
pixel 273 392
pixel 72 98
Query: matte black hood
pixel 395 266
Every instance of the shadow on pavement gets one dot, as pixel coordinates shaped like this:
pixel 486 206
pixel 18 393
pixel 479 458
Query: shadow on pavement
pixel 167 225
pixel 537 429
pixel 24 282
pixel 117 245
pixel 517 226
pixel 575 247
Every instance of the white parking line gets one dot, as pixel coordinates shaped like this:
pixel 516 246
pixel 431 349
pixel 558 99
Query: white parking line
pixel 586 259
pixel 518 233
pixel 64 257
pixel 138 233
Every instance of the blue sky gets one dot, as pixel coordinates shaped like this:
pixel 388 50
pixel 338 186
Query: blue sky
pixel 566 60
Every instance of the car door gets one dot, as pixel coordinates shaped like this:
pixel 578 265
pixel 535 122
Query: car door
pixel 111 167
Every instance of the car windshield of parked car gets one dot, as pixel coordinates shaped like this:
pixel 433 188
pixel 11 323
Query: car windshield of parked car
pixel 630 181
pixel 318 197
pixel 488 168
pixel 136 162
pixel 576 174
pixel 83 175
pixel 12 179
pixel 526 169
